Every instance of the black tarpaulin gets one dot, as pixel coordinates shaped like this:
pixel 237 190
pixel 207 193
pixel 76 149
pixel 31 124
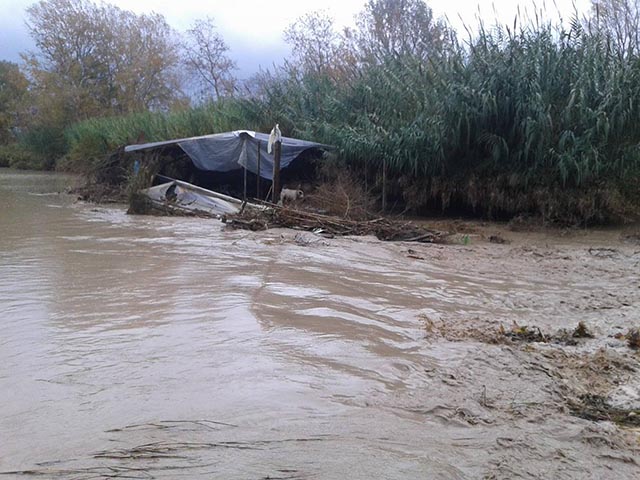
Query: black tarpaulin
pixel 222 152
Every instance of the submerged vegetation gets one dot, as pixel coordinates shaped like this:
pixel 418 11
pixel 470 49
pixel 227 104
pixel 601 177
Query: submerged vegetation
pixel 537 118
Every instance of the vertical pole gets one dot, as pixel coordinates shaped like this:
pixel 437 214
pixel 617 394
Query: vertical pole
pixel 244 193
pixel 277 151
pixel 258 193
pixel 384 184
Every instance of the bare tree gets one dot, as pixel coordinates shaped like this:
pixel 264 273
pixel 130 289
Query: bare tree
pixel 314 42
pixel 620 20
pixel 206 58
pixel 392 28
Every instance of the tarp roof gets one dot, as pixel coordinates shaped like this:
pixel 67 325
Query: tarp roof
pixel 222 152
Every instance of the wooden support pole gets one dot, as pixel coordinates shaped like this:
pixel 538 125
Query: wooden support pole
pixel 258 192
pixel 244 192
pixel 277 151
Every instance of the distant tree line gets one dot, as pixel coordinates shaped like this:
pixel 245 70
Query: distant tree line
pixel 96 60
pixel 532 117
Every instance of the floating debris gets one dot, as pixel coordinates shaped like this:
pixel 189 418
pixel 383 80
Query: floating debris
pixel 633 338
pixel 382 228
pixel 497 239
pixel 523 333
pixel 581 331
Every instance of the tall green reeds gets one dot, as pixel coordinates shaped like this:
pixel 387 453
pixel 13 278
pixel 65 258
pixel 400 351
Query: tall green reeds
pixel 97 137
pixel 542 102
pixel 509 123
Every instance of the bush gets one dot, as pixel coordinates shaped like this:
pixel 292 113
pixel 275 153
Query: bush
pixel 16 156
pixel 44 141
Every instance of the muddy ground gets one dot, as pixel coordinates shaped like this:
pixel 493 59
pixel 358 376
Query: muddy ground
pixel 548 368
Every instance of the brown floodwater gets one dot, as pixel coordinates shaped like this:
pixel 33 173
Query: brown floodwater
pixel 164 347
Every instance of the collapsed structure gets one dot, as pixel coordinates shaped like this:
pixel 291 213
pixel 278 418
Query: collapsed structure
pixel 234 156
pixel 245 151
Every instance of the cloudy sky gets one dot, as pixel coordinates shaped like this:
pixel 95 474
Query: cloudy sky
pixel 253 28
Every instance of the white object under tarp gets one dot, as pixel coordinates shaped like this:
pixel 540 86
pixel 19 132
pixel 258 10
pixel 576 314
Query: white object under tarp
pixel 191 198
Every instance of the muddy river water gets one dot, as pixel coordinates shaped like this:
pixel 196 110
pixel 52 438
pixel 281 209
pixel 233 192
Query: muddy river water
pixel 148 347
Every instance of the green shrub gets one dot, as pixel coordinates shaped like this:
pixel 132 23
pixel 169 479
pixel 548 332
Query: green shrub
pixel 44 141
pixel 16 156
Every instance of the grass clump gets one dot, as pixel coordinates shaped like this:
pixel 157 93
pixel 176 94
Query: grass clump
pixel 341 191
pixel 523 333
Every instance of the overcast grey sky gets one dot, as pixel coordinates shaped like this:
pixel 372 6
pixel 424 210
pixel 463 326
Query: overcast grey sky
pixel 253 28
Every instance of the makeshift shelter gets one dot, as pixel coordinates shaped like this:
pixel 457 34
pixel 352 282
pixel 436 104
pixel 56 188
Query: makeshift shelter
pixel 224 152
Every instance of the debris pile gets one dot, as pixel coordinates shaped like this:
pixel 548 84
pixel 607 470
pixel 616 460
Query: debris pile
pixel 597 408
pixel 582 331
pixel 523 333
pixel 486 331
pixel 633 338
pixel 285 217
